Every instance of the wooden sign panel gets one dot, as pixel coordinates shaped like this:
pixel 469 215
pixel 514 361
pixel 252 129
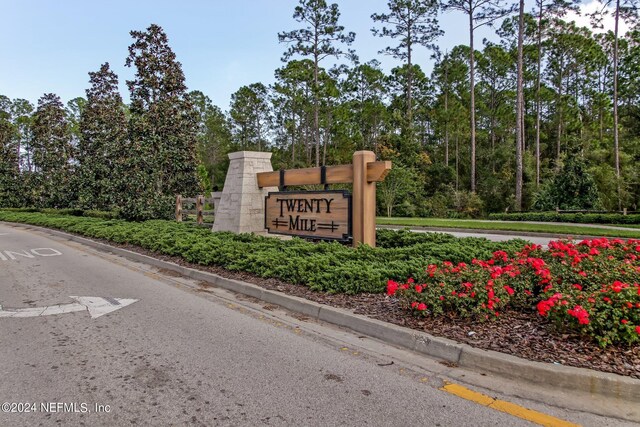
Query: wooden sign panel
pixel 310 214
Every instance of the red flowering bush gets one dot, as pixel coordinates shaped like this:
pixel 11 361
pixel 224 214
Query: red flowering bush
pixel 592 287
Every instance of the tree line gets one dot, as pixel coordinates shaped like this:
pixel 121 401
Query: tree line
pixel 546 117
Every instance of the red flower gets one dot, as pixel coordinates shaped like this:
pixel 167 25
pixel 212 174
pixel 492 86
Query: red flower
pixel 578 287
pixel 582 273
pixel 618 286
pixel 509 290
pixel 414 304
pixel 422 306
pixel 638 330
pixel 418 288
pixel 580 313
pixel 624 321
pixel 392 287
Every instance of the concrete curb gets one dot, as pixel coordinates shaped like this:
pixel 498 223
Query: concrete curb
pixel 568 378
pixel 513 233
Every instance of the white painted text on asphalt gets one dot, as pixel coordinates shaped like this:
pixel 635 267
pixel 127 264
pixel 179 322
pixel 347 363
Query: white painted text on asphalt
pixel 28 253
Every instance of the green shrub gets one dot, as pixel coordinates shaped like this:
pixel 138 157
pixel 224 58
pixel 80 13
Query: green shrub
pixel 328 267
pixel 579 218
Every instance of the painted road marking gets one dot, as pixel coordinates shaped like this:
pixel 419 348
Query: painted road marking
pixel 506 407
pixel 28 253
pixel 96 306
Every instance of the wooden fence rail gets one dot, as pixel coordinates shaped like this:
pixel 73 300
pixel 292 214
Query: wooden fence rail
pixel 199 211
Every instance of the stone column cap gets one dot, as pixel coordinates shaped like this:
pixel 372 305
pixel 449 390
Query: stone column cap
pixel 250 155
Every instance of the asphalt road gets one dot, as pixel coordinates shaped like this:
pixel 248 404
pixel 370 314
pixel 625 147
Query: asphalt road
pixel 188 354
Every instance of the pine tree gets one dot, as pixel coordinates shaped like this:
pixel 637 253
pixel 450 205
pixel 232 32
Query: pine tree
pixel 414 23
pixel 316 40
pixel 479 13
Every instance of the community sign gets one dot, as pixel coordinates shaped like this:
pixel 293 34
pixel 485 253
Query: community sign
pixel 309 214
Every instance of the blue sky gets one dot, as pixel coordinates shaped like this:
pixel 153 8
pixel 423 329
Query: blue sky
pixel 50 46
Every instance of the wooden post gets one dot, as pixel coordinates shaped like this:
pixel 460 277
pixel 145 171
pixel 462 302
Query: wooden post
pixel 199 208
pixel 364 200
pixel 179 208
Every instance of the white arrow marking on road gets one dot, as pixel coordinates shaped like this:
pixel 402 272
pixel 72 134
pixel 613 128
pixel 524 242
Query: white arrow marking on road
pixel 96 306
pixel 4 234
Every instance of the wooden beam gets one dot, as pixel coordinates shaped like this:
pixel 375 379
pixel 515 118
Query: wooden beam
pixel 377 171
pixel 342 174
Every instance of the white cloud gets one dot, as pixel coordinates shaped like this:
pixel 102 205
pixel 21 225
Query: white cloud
pixel 608 22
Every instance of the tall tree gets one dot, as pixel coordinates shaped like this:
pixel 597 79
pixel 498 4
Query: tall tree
pixel 626 10
pixel 22 112
pixel 480 13
pixel 520 109
pixel 214 141
pixel 163 127
pixel 9 159
pixel 545 10
pixel 364 90
pixel 103 133
pixel 251 116
pixel 294 109
pixel 414 23
pixel 317 40
pixel 53 153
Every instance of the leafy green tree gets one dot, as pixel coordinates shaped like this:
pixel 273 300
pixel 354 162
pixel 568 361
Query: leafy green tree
pixel 74 110
pixel 401 183
pixel 214 141
pixel 163 129
pixel 9 159
pixel 316 40
pixel 102 128
pixel 414 23
pixel 52 154
pixel 571 188
pixel 22 115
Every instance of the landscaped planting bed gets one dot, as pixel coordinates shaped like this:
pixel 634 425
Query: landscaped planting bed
pixel 575 304
pixel 328 267
pixel 591 288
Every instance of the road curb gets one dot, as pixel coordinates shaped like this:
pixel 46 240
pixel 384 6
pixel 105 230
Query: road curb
pixel 597 384
pixel 484 231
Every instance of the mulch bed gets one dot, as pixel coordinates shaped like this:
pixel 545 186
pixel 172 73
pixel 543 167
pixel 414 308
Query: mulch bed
pixel 524 335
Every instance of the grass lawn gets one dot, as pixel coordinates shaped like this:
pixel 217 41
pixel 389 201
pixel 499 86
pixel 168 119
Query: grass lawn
pixel 560 230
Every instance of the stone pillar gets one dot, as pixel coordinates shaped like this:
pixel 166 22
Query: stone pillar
pixel 241 207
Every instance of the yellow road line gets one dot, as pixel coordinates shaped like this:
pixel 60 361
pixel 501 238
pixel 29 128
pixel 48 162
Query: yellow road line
pixel 506 407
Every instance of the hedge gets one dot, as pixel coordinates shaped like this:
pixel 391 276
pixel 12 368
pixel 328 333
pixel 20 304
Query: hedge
pixel 329 267
pixel 580 218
